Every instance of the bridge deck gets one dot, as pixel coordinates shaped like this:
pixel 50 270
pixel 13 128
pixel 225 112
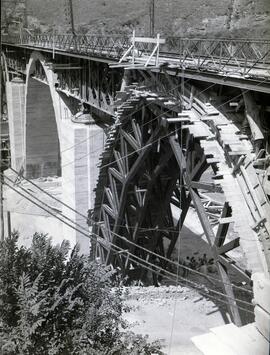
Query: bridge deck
pixel 240 63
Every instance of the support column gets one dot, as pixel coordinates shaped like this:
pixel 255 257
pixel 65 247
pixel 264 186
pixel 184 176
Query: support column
pixel 15 91
pixel 79 176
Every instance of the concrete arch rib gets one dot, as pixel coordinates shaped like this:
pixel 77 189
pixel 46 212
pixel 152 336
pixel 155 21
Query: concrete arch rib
pixel 4 71
pixel 42 126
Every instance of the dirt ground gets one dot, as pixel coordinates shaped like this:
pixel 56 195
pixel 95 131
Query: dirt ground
pixel 177 313
pixel 172 314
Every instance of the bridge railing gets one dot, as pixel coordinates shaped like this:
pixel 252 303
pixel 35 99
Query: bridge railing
pixel 104 46
pixel 218 54
pixel 241 56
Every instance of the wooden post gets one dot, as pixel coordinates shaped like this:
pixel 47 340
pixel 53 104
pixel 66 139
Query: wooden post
pixel 157 55
pixel 8 224
pixel 1 214
pixel 189 175
pixel 152 18
pixel 133 47
pixel 71 17
pixel 53 45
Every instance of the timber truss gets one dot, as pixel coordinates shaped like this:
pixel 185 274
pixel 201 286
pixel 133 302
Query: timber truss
pixel 151 173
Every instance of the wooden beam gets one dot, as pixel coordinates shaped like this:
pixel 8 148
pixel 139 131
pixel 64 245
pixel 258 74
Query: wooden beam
pixel 210 236
pixel 133 171
pixel 211 187
pixel 184 204
pixel 117 174
pixel 229 246
pixel 131 140
pixel 223 227
pixel 179 156
pixel 228 263
pixel 158 169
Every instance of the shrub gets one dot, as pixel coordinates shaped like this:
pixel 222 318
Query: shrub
pixel 55 304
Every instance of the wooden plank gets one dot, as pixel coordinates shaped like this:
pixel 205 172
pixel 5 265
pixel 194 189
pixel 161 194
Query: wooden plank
pixel 177 119
pixel 184 114
pixel 238 152
pixel 226 220
pixel 213 160
pixel 149 40
pixel 198 130
pixel 212 187
pixel 229 246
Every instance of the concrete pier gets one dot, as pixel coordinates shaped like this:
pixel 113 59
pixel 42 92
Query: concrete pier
pixel 15 92
pixel 49 145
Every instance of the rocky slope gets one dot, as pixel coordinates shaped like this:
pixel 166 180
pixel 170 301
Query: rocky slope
pixel 223 18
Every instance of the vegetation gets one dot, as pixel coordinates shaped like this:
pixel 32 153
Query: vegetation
pixel 54 303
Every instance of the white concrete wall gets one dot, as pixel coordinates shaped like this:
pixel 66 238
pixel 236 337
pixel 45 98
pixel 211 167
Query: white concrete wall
pixel 15 92
pixel 80 173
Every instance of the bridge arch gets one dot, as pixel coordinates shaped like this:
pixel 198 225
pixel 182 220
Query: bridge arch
pixel 42 135
pixel 4 67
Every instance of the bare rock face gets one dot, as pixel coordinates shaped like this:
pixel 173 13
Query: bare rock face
pixel 196 18
pixel 227 18
pixel 250 18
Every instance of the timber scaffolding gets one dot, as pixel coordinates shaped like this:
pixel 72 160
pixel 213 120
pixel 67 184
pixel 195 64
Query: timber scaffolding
pixel 234 162
pixel 219 145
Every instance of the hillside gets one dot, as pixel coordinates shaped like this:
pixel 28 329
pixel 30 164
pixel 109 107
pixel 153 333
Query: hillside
pixel 223 18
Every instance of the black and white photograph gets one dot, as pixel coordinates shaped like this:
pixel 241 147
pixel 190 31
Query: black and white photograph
pixel 135 177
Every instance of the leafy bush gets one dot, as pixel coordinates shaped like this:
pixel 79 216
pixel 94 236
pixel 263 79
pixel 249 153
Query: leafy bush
pixel 55 304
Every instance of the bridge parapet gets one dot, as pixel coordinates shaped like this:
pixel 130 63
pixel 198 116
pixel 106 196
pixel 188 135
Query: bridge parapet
pixel 245 58
pixel 92 45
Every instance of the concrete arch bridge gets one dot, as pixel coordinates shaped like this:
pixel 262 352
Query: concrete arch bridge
pixel 136 138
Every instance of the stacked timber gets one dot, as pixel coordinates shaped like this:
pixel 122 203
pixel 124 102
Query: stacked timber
pixel 232 145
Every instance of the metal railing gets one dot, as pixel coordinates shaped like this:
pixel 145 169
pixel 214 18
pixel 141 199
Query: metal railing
pixel 100 46
pixel 221 54
pixel 241 56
